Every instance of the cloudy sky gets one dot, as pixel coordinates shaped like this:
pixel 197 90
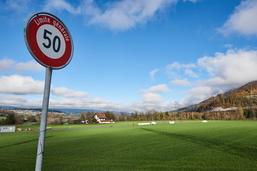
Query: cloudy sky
pixel 132 54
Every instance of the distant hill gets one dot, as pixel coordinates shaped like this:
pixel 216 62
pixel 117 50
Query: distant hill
pixel 58 110
pixel 68 111
pixel 244 96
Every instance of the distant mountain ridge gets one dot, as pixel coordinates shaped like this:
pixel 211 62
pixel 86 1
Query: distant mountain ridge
pixel 68 111
pixel 244 96
pixel 58 110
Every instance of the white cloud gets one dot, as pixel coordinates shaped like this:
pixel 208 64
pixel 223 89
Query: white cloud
pixel 16 84
pixel 6 64
pixel 235 67
pixel 153 73
pixel 12 100
pixel 153 93
pixel 180 82
pixel 66 92
pixel 176 69
pixel 18 90
pixel 125 14
pixel 160 88
pixel 226 71
pixel 61 5
pixel 243 19
pixel 215 74
pixel 9 64
pixel 25 100
pixel 89 103
pixel 197 94
pixel 26 85
pixel 152 99
pixel 115 15
pixel 160 106
pixel 28 66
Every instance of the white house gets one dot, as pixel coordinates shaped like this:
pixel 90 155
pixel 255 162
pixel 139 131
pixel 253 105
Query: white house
pixel 101 118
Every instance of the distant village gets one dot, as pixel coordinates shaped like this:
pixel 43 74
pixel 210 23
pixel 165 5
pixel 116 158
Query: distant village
pixel 19 116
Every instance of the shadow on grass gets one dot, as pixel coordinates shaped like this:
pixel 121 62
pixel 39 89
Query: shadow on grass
pixel 244 152
pixel 22 142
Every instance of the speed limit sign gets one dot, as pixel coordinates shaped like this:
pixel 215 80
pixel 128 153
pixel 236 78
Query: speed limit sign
pixel 50 43
pixel 49 40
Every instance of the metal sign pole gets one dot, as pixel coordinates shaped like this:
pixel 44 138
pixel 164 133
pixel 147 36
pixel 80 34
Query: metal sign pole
pixel 43 122
pixel 52 47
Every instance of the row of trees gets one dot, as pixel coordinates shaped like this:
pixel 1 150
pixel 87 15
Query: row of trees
pixel 10 117
pixel 230 115
pixel 238 114
pixel 227 101
pixel 7 117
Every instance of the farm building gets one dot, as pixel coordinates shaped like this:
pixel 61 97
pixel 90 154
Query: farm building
pixel 101 118
pixel 7 128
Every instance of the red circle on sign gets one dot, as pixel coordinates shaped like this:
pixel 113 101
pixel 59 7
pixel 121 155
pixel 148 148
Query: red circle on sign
pixel 49 40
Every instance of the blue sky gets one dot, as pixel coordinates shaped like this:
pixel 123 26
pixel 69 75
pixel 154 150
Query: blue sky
pixel 133 54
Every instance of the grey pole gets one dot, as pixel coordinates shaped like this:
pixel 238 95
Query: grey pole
pixel 43 121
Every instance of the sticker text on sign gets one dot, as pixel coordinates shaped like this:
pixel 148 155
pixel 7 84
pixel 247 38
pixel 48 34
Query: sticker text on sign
pixel 42 20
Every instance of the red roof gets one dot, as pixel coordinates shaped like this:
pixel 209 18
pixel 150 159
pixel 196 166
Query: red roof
pixel 101 115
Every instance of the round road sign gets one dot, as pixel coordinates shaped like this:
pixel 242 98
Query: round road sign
pixel 49 40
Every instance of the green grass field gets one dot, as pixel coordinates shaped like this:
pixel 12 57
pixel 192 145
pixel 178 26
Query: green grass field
pixel 188 145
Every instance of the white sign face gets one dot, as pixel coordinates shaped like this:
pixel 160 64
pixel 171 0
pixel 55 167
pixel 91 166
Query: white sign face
pixel 50 41
pixel 7 128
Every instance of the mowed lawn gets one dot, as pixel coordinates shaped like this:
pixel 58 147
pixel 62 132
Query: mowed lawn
pixel 187 145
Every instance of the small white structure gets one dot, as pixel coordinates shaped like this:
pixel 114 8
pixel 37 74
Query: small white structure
pixel 147 123
pixel 221 109
pixel 7 128
pixel 19 129
pixel 204 121
pixel 153 123
pixel 171 122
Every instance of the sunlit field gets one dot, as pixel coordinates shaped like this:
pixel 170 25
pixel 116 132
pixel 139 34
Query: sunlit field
pixel 186 145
